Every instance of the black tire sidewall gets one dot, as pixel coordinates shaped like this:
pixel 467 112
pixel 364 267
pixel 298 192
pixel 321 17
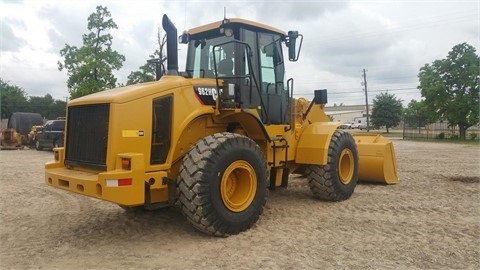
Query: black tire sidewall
pixel 345 141
pixel 38 146
pixel 57 143
pixel 324 180
pixel 226 156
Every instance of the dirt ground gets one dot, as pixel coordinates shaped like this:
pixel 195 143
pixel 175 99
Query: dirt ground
pixel 431 219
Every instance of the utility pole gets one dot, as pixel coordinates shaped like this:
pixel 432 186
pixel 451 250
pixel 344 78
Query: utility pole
pixel 366 97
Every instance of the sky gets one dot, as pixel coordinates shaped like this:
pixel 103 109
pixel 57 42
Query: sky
pixel 391 40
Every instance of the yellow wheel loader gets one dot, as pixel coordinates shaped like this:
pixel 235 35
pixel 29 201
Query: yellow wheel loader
pixel 216 137
pixel 10 139
pixel 17 135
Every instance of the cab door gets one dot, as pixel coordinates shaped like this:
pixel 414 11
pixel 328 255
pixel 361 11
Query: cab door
pixel 272 72
pixel 263 67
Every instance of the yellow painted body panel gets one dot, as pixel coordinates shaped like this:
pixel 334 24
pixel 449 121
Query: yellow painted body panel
pixel 130 116
pixel 130 131
pixel 94 184
pixel 377 160
pixel 313 144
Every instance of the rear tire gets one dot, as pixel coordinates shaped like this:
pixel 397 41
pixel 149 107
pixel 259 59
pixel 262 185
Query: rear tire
pixel 336 180
pixel 38 146
pixel 223 184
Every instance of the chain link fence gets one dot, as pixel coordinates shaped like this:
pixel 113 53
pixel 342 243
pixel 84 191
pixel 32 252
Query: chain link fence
pixel 439 131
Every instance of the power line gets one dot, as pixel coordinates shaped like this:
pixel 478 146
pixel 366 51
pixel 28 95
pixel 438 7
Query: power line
pixel 413 26
pixel 305 81
pixel 395 89
pixel 358 92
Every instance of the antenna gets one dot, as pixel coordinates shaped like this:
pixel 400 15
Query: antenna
pixel 185 19
pixel 224 13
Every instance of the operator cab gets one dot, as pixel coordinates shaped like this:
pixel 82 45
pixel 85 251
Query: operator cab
pixel 246 60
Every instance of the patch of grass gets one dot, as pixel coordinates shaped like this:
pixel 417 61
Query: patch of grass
pixel 431 140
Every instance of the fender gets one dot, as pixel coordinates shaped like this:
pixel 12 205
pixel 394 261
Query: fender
pixel 313 143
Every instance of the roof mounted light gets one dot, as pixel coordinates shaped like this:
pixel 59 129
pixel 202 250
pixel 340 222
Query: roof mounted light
pixel 228 32
pixel 184 38
pixel 224 29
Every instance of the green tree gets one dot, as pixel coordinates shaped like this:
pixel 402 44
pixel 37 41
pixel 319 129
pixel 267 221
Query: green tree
pixel 145 74
pixel 13 99
pixel 40 104
pixel 417 115
pixel 90 67
pixel 58 109
pixel 154 65
pixel 387 111
pixel 47 106
pixel 451 87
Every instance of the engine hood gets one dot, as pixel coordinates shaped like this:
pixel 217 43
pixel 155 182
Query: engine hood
pixel 131 92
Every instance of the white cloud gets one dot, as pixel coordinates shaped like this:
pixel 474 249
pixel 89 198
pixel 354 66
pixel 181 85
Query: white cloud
pixel 391 39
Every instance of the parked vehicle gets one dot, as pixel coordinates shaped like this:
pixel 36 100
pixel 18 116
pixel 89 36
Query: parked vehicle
pixel 364 127
pixel 355 125
pixel 347 125
pixel 50 135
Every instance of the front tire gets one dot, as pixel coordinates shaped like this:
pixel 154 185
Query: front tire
pixel 336 180
pixel 58 143
pixel 223 184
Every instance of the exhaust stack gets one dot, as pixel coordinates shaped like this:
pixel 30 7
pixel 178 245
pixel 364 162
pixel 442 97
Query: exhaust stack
pixel 172 46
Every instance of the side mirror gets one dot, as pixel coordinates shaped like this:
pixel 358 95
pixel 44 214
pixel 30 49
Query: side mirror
pixel 320 96
pixel 184 38
pixel 291 42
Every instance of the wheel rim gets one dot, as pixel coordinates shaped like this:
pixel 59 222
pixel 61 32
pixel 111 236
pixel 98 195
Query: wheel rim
pixel 238 186
pixel 345 166
pixel 37 145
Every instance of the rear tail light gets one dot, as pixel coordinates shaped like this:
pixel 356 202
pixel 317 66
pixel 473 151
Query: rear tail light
pixel 126 164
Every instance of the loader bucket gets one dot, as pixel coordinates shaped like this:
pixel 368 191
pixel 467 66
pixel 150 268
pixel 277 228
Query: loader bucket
pixel 377 161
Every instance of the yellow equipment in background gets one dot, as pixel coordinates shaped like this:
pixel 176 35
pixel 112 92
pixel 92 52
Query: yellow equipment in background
pixel 10 139
pixel 214 138
pixel 17 133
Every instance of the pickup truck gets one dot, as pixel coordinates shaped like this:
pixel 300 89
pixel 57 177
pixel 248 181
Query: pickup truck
pixel 50 135
pixel 347 125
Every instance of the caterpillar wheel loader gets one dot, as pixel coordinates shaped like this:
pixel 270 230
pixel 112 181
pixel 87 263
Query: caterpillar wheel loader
pixel 215 138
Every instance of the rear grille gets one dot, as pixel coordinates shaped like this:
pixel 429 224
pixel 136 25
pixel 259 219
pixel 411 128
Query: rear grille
pixel 87 136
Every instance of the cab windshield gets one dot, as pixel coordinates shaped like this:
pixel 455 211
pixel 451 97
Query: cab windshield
pixel 201 61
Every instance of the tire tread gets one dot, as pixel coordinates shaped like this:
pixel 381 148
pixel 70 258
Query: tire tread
pixel 194 188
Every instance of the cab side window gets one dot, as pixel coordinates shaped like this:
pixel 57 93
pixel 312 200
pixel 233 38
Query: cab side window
pixel 271 60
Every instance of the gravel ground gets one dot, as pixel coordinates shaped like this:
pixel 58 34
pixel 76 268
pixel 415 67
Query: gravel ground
pixel 429 220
